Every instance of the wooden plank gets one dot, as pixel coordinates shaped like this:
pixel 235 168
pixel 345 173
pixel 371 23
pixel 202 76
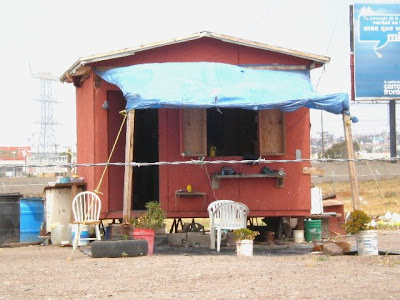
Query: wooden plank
pixel 278 67
pixel 313 171
pixel 250 176
pixel 194 132
pixel 352 168
pixel 128 177
pixel 271 132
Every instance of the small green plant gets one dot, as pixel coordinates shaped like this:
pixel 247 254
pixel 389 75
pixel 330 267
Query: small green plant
pixel 358 221
pixel 244 234
pixel 124 254
pixel 153 218
pixel 323 258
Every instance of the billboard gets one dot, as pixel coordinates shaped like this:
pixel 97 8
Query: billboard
pixel 14 153
pixel 376 43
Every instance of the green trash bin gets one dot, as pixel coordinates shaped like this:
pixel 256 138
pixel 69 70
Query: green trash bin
pixel 313 230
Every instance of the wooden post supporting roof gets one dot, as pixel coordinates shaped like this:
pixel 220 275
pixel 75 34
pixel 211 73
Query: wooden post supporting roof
pixel 128 177
pixel 352 168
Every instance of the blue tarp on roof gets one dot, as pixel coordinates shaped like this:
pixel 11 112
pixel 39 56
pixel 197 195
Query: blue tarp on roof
pixel 205 85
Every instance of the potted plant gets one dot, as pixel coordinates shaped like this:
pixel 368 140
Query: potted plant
pixel 359 224
pixel 145 225
pixel 244 241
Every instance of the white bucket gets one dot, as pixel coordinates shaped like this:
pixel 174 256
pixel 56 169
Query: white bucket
pixel 73 228
pixel 367 242
pixel 244 248
pixel 58 234
pixel 298 236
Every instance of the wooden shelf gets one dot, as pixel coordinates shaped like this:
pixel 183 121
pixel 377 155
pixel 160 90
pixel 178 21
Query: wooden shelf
pixel 189 194
pixel 216 178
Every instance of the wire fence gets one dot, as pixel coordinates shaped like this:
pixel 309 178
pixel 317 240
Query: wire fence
pixel 378 179
pixel 365 171
pixel 202 161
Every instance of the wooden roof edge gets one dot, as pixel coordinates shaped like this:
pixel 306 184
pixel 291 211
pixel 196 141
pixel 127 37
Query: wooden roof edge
pixel 73 70
pixel 310 56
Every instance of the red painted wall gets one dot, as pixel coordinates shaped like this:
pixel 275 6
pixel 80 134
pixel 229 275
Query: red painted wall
pixel 96 127
pixel 261 195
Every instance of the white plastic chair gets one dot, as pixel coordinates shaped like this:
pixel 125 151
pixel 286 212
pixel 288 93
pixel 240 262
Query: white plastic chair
pixel 211 210
pixel 230 216
pixel 86 208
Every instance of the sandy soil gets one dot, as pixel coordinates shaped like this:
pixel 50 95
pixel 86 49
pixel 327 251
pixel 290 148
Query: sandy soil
pixel 287 271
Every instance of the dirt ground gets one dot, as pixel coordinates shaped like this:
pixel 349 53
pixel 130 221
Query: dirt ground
pixel 288 271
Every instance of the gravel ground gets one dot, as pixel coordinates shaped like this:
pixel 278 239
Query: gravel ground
pixel 286 271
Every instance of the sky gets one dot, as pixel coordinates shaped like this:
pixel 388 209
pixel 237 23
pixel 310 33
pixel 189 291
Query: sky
pixel 44 36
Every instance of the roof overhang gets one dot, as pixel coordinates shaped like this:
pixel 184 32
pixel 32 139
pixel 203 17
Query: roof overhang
pixel 82 66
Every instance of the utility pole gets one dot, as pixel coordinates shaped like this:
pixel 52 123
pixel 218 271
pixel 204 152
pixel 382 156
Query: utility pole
pixel 322 134
pixel 392 125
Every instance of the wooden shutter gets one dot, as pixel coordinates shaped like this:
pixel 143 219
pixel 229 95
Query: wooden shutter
pixel 271 132
pixel 194 127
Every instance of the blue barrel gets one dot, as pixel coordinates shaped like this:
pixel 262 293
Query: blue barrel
pixel 32 218
pixel 9 218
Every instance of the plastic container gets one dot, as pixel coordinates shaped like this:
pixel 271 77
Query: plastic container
pixel 244 248
pixel 73 228
pixel 298 236
pixel 9 218
pixel 59 233
pixel 65 180
pixel 145 234
pixel 31 219
pixel 367 242
pixel 313 230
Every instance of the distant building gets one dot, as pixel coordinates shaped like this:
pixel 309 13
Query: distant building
pixel 14 159
pixel 46 160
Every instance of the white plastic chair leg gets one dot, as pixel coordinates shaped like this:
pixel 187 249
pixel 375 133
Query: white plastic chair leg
pixel 212 238
pixel 218 239
pixel 75 242
pixel 97 230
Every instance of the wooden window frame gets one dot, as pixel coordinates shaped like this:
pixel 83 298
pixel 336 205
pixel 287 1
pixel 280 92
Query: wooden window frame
pixel 271 132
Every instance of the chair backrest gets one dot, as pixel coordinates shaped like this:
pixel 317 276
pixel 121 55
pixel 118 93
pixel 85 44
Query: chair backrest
pixel 211 210
pixel 213 206
pixel 86 206
pixel 231 215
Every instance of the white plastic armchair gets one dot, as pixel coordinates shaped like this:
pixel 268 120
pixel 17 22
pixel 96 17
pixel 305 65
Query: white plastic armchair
pixel 86 208
pixel 230 216
pixel 211 210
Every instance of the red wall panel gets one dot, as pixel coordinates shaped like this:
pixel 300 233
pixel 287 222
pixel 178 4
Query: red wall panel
pixel 85 130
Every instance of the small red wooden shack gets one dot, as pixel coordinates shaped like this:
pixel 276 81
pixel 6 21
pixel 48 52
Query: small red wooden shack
pixel 183 134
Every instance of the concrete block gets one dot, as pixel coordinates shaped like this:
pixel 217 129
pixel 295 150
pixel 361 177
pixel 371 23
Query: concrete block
pixel 177 239
pixel 344 245
pixel 189 239
pixel 117 232
pixel 332 249
pixel 198 238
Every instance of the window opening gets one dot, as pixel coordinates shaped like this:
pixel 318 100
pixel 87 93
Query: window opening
pixel 232 132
